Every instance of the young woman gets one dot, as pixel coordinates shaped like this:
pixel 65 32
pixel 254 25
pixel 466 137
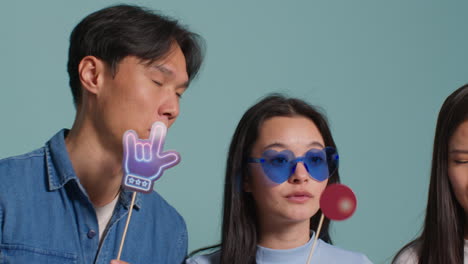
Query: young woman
pixel 281 158
pixel 443 239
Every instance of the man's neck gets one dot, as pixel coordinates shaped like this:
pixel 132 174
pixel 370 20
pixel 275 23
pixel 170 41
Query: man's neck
pixel 96 164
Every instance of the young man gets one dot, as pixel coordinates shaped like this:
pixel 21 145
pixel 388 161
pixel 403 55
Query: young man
pixel 63 203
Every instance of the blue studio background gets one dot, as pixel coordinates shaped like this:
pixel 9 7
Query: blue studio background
pixel 380 70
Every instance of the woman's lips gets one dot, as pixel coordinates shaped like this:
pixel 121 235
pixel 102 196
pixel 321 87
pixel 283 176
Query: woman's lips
pixel 299 197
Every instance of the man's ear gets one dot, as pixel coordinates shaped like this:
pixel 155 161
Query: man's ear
pixel 91 71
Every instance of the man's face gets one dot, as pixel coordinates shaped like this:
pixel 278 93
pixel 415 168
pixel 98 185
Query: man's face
pixel 140 94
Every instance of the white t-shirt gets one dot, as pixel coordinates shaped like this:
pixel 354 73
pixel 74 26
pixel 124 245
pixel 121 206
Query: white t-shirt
pixel 104 215
pixel 409 256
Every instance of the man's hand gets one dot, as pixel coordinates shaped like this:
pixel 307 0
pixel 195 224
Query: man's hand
pixel 144 161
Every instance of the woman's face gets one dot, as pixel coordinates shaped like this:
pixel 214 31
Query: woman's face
pixel 296 199
pixel 458 164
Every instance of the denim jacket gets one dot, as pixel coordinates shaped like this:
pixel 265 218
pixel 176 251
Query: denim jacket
pixel 46 216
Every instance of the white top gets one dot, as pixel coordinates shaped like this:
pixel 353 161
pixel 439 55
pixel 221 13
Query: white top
pixel 324 253
pixel 409 256
pixel 104 215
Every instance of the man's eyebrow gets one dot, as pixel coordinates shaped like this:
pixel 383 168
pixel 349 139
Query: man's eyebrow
pixel 163 69
pixel 169 72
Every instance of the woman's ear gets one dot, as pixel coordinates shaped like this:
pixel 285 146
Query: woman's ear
pixel 91 71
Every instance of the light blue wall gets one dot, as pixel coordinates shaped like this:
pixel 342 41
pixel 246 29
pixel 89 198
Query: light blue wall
pixel 380 69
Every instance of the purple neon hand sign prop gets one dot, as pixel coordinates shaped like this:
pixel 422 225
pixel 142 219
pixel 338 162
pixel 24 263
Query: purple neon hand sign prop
pixel 143 159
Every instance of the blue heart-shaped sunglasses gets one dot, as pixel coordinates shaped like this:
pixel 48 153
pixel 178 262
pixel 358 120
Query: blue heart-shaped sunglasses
pixel 279 166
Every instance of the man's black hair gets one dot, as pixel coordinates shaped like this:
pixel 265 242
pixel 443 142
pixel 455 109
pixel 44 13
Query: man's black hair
pixel 115 32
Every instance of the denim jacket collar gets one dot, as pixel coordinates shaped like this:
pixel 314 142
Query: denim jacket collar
pixel 60 169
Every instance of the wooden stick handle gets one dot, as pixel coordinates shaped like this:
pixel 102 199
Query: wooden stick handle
pixel 130 210
pixel 317 234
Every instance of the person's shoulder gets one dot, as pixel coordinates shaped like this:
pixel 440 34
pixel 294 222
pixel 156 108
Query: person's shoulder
pixel 160 208
pixel 21 169
pixel 155 200
pixel 342 255
pixel 407 256
pixel 21 159
pixel 212 258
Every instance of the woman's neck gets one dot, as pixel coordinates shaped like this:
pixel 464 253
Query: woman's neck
pixel 284 235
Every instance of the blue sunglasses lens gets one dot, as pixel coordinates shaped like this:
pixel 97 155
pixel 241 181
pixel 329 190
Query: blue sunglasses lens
pixel 315 161
pixel 279 166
